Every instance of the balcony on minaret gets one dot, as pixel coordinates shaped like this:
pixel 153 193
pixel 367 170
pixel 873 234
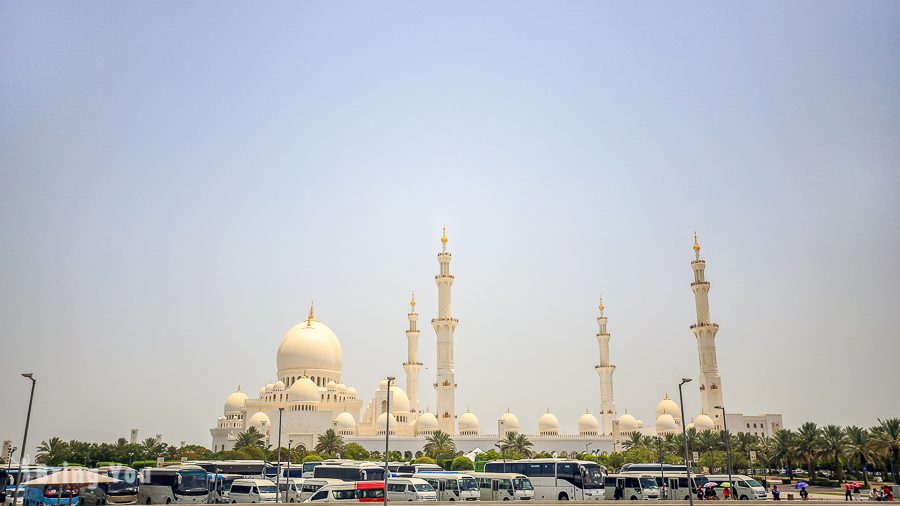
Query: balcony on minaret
pixel 704 324
pixel 699 283
pixel 439 276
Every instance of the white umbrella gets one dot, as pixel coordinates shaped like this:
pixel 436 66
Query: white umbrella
pixel 72 477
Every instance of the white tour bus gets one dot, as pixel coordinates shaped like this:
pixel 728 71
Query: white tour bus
pixel 556 479
pixel 451 485
pixel 743 487
pixel 351 471
pixel 411 469
pixel 635 487
pixel 253 491
pixel 504 487
pixel 311 485
pixel 410 489
pixel 219 486
pixel 123 492
pixel 174 484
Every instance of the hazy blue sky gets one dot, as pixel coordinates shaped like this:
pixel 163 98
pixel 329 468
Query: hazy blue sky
pixel 178 180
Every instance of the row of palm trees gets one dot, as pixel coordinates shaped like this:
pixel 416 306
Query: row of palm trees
pixel 840 448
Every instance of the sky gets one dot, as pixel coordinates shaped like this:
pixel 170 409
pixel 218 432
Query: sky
pixel 179 180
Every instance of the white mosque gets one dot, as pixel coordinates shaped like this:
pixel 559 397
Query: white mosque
pixel 311 397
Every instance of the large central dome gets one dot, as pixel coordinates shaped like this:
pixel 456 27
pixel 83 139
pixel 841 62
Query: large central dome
pixel 309 346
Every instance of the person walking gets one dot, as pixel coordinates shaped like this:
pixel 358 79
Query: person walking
pixel 874 495
pixel 857 493
pixel 700 493
pixel 726 493
pixel 776 494
pixel 804 494
pixel 847 492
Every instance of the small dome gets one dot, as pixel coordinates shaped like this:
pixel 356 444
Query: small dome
pixel 259 420
pixel 341 387
pixel 667 406
pixel 331 386
pixel 510 422
pixel 304 390
pixel 468 422
pixel 689 426
pixel 345 421
pixel 279 386
pixel 381 420
pixel 399 400
pixel 382 385
pixel 270 387
pixel 262 392
pixel 351 391
pixel 627 423
pixel 426 422
pixel 548 423
pixel 665 422
pixel 704 422
pixel 640 423
pixel 235 402
pixel 588 423
pixel 221 418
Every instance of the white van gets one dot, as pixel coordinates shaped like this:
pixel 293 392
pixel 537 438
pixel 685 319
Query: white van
pixel 452 485
pixel 360 491
pixel 291 489
pixel 253 491
pixel 634 487
pixel 311 485
pixel 743 487
pixel 410 489
pixel 504 487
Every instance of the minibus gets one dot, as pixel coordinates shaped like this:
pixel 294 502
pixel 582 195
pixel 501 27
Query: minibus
pixel 219 486
pixel 743 487
pixel 451 485
pixel 634 486
pixel 311 485
pixel 504 487
pixel 252 491
pixel 410 489
pixel 290 489
pixel 360 491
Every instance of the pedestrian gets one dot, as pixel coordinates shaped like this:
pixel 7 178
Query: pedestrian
pixel 618 494
pixel 664 491
pixel 700 493
pixel 847 492
pixel 804 494
pixel 726 492
pixel 874 495
pixel 888 494
pixel 857 493
pixel 776 494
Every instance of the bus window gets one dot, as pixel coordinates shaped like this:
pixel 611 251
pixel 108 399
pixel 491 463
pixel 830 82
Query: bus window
pixel 548 470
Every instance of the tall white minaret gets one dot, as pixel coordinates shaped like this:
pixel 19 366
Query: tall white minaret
pixel 444 326
pixel 412 366
pixel 605 370
pixel 705 332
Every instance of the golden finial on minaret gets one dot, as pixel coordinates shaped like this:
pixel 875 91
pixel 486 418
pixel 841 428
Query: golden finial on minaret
pixel 696 246
pixel 444 239
pixel 311 315
pixel 412 302
pixel 601 305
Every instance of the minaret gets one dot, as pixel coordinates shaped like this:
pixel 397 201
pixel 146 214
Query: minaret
pixel 444 326
pixel 705 332
pixel 412 366
pixel 605 370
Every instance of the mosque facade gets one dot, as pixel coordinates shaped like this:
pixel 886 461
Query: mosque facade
pixel 310 397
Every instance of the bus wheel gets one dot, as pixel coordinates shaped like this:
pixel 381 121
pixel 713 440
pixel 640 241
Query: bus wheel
pixel 506 498
pixel 168 500
pixel 148 501
pixel 563 496
pixel 745 498
pixel 634 498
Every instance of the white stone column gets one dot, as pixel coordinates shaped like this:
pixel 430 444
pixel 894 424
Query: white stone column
pixel 705 332
pixel 444 327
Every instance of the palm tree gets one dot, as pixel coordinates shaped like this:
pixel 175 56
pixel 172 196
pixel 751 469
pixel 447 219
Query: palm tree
pixel 860 447
pixel 49 449
pixel 708 441
pixel 152 447
pixel 782 447
pixel 886 436
pixel 439 444
pixel 517 443
pixel 635 440
pixel 833 445
pixel 251 437
pixel 743 443
pixel 808 446
pixel 329 443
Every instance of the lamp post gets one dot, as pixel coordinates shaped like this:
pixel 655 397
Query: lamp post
pixel 290 458
pixel 662 471
pixel 278 465
pixel 387 439
pixel 684 436
pixel 25 437
pixel 727 446
pixel 586 445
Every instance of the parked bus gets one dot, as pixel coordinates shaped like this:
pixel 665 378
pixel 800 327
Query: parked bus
pixel 219 486
pixel 360 491
pixel 174 484
pixel 653 468
pixel 504 487
pixel 46 495
pixel 452 485
pixel 634 486
pixel 411 469
pixel 556 479
pixel 677 482
pixel 410 489
pixel 124 491
pixel 350 472
pixel 312 485
pixel 743 487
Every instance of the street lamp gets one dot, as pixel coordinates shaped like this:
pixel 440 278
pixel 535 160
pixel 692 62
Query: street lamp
pixel 278 465
pixel 727 446
pixel 586 445
pixel 387 439
pixel 290 458
pixel 684 436
pixel 25 437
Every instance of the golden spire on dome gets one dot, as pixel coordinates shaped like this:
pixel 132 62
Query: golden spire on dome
pixel 311 315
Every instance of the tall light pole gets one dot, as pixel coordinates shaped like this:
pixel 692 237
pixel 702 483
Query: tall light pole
pixel 387 439
pixel 25 437
pixel 278 465
pixel 290 458
pixel 684 436
pixel 727 448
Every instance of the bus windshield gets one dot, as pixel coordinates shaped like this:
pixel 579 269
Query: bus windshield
pixel 593 478
pixel 268 489
pixel 522 484
pixel 468 484
pixel 192 483
pixel 127 486
pixel 648 482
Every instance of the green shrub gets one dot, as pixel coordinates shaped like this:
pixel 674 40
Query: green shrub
pixel 140 464
pixel 424 460
pixel 312 457
pixel 462 464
